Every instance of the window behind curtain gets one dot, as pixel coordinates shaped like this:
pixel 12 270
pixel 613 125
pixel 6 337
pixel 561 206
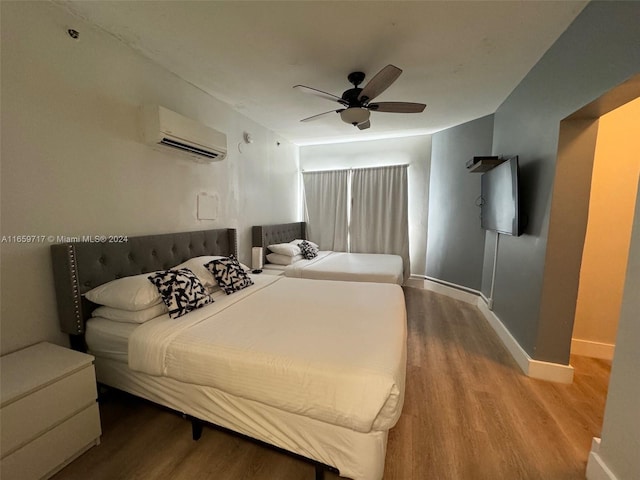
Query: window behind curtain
pixel 375 222
pixel 325 198
pixel 379 211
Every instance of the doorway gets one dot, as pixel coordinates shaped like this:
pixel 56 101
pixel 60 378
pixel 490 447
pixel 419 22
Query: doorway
pixel 616 168
pixel 569 209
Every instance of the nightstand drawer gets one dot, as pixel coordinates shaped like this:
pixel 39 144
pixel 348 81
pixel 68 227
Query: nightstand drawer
pixel 30 416
pixel 56 448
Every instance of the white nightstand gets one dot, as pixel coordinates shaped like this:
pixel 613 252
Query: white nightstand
pixel 48 411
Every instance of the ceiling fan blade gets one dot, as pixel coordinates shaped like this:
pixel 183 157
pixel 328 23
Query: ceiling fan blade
pixel 364 125
pixel 397 107
pixel 378 84
pixel 314 117
pixel 318 93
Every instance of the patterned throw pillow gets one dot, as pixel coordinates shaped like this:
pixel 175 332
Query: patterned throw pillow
pixel 229 274
pixel 308 251
pixel 181 291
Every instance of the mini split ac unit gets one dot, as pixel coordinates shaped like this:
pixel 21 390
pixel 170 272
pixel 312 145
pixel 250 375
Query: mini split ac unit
pixel 164 128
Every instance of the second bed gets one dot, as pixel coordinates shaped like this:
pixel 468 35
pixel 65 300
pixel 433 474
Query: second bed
pixel 328 265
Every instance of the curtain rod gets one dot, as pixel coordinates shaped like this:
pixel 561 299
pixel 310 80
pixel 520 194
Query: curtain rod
pixel 356 168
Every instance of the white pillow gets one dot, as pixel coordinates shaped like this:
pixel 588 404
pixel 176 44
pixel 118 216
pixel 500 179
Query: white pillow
pixel 298 241
pixel 127 293
pixel 285 249
pixel 196 265
pixel 128 316
pixel 278 259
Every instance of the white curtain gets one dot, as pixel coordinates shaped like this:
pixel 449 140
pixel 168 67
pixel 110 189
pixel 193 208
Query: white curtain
pixel 379 212
pixel 325 199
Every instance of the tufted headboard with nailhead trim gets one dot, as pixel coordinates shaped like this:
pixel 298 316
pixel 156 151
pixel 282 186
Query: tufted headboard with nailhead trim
pixel 265 235
pixel 80 266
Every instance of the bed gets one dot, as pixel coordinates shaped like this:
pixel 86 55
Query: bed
pixel 328 265
pixel 327 385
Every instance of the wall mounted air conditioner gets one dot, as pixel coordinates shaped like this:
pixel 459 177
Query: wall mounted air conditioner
pixel 163 128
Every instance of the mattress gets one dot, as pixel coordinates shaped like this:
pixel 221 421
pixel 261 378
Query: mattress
pixel 358 267
pixel 109 339
pixel 340 361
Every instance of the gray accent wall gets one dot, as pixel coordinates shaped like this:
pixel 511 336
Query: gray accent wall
pixel 455 241
pixel 598 51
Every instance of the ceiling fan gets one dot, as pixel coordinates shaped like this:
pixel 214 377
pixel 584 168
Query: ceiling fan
pixel 356 101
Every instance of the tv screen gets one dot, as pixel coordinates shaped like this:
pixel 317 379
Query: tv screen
pixel 499 206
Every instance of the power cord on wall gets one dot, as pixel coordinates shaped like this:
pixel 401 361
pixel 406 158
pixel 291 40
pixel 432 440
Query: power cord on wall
pixel 493 273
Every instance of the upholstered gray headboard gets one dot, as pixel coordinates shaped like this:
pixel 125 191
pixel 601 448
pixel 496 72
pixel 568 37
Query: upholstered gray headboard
pixel 80 266
pixel 264 235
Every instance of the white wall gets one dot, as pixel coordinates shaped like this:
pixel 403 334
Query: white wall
pixel 73 162
pixel 414 151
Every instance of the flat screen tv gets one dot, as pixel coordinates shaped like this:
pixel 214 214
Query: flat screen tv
pixel 499 192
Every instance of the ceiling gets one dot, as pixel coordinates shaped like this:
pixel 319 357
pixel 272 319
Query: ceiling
pixel 461 58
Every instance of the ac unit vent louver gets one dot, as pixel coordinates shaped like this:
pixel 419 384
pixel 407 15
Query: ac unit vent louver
pixel 188 148
pixel 164 128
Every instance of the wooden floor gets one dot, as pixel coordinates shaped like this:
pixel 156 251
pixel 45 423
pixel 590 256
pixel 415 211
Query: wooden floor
pixel 469 414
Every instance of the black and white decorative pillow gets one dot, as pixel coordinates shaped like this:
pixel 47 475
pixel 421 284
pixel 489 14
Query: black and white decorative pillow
pixel 181 291
pixel 229 274
pixel 308 251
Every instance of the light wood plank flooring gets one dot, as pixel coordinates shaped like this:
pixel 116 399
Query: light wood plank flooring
pixel 469 414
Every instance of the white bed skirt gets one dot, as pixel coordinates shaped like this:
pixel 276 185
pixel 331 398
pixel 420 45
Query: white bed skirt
pixel 359 456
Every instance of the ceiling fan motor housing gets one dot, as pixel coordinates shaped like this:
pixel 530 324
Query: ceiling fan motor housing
pixel 351 97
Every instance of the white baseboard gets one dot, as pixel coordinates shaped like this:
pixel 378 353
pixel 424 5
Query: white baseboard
pixel 553 372
pixel 458 292
pixel 414 281
pixel 596 468
pixel 517 352
pixel 587 348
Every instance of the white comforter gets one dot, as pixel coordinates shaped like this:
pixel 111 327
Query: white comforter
pixel 333 351
pixel 359 267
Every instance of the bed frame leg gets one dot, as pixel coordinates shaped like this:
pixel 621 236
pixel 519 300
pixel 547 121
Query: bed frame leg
pixel 196 428
pixel 196 432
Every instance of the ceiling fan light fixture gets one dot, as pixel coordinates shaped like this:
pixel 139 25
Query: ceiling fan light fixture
pixel 355 115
